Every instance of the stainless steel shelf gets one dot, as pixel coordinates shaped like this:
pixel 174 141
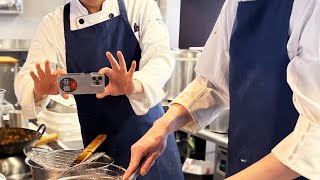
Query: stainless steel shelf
pixel 14 45
pixel 219 139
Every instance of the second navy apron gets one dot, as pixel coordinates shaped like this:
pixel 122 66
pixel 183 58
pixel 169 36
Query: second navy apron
pixel 114 116
pixel 261 108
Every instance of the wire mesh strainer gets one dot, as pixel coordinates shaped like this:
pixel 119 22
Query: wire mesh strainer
pixel 56 159
pixel 89 171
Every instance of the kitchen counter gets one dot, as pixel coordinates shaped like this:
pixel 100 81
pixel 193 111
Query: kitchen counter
pixel 219 139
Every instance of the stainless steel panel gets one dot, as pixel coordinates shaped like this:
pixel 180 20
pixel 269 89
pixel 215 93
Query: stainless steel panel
pixel 14 45
pixel 7 74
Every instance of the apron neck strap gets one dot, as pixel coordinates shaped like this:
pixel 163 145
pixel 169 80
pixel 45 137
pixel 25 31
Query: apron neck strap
pixel 122 8
pixel 66 14
pixel 66 17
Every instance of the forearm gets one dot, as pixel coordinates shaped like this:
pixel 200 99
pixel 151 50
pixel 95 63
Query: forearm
pixel 175 118
pixel 267 168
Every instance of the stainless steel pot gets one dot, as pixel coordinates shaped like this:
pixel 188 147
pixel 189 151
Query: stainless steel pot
pixel 16 119
pixel 39 173
pixel 8 72
pixel 183 72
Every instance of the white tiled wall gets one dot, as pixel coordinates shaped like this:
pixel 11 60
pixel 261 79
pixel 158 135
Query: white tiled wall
pixel 23 26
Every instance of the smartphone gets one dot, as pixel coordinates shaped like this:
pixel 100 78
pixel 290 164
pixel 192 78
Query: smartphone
pixel 81 83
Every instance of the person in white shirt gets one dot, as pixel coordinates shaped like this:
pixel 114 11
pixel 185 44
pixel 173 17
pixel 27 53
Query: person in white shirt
pixel 262 62
pixel 85 36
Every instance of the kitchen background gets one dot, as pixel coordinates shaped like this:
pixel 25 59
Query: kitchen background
pixel 189 23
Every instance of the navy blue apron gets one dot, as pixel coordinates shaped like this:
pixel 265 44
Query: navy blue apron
pixel 114 116
pixel 261 108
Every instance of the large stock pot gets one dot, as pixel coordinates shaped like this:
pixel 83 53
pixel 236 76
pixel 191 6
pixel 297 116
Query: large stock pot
pixel 183 72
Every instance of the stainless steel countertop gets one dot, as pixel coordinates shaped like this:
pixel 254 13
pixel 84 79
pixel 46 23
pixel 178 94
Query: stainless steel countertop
pixel 219 139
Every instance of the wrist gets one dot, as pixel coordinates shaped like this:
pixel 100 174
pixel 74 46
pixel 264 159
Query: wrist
pixel 176 118
pixel 37 96
pixel 138 88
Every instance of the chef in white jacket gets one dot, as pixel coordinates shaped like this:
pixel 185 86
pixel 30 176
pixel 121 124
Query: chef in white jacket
pixel 127 41
pixel 263 61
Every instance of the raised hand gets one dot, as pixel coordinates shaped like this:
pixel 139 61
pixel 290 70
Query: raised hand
pixel 120 80
pixel 46 82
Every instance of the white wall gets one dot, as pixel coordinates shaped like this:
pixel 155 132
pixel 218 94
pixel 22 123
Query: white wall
pixel 23 26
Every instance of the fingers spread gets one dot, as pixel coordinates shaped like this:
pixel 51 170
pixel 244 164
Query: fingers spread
pixel 105 93
pixel 40 71
pixel 34 77
pixel 132 68
pixel 47 68
pixel 122 62
pixel 114 64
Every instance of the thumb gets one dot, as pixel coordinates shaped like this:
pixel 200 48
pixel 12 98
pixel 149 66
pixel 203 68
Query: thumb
pixel 65 96
pixel 106 92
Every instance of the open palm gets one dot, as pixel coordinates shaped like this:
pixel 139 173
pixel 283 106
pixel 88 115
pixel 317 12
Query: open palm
pixel 46 82
pixel 120 80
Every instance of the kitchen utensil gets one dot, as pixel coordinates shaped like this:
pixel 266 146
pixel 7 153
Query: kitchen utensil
pixel 183 72
pixel 14 140
pixel 14 167
pixel 56 160
pixel 41 173
pixel 137 171
pixel 47 139
pixel 111 172
pixel 16 119
pixel 86 153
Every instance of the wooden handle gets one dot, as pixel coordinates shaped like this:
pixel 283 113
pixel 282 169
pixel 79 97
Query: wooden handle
pixel 8 60
pixel 47 139
pixel 86 153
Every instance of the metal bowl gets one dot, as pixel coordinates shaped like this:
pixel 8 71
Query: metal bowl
pixel 40 173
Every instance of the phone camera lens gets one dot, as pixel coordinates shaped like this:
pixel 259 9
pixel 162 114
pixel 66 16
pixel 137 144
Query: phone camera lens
pixel 97 83
pixel 94 78
pixel 100 78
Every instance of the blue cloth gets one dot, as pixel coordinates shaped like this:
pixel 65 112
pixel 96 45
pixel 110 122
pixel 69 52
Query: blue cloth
pixel 261 108
pixel 114 116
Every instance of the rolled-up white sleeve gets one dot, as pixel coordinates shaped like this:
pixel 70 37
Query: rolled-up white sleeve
pixel 40 50
pixel 300 151
pixel 157 61
pixel 208 95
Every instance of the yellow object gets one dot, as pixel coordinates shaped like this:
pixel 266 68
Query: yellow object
pixel 86 153
pixel 47 139
pixel 8 60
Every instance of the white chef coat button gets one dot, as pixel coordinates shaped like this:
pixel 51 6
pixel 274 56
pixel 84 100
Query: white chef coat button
pixel 81 21
pixel 244 160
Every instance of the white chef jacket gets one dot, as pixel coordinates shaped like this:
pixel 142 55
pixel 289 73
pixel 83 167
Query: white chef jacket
pixel 155 67
pixel 208 94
